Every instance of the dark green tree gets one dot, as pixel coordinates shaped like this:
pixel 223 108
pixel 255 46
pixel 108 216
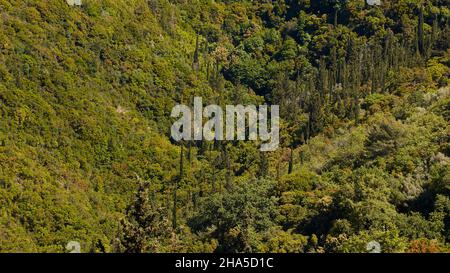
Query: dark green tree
pixel 145 224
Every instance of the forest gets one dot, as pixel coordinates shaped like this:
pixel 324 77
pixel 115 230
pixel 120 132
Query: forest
pixel 86 155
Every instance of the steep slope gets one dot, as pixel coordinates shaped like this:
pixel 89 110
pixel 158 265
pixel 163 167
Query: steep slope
pixel 85 100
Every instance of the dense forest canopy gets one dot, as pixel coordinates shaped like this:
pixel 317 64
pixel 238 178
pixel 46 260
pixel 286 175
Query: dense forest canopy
pixel 86 155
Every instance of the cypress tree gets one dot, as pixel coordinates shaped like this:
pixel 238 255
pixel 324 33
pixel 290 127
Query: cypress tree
pixel 291 161
pixel 177 181
pixel 144 222
pixel 196 63
pixel 420 33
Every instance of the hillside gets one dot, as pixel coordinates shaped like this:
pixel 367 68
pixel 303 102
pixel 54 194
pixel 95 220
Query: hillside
pixel 86 95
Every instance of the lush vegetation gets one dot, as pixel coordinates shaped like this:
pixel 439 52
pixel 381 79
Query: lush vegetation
pixel 85 100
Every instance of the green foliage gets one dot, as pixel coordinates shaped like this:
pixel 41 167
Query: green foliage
pixel 236 217
pixel 85 100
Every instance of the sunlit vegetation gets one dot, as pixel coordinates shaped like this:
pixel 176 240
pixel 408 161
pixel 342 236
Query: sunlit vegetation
pixel 85 152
